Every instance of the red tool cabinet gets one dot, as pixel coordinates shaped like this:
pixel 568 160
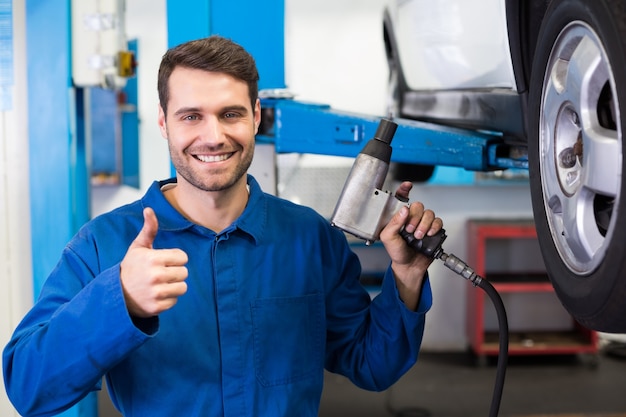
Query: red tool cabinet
pixel 506 252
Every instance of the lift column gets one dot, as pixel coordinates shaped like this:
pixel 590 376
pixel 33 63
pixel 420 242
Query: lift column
pixel 59 184
pixel 258 26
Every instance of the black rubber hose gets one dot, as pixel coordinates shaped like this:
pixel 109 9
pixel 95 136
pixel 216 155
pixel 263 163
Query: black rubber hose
pixel 503 354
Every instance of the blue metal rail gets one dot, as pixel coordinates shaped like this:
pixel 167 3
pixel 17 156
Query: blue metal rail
pixel 301 127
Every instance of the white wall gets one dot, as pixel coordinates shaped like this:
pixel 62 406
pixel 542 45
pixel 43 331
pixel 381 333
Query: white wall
pixel 16 289
pixel 334 53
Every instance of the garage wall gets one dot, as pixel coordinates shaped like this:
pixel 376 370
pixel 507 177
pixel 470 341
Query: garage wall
pixel 16 290
pixel 334 53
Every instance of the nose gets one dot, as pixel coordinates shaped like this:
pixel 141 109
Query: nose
pixel 212 130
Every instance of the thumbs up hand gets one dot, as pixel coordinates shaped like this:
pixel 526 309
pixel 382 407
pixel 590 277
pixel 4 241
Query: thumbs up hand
pixel 152 279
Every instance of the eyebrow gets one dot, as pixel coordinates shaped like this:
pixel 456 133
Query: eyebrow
pixel 184 110
pixel 238 108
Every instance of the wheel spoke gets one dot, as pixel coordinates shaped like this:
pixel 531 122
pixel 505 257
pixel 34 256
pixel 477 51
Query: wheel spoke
pixel 587 74
pixel 571 221
pixel 602 159
pixel 587 71
pixel 579 227
pixel 552 103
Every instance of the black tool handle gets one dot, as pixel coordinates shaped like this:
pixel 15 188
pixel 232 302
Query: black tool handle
pixel 428 245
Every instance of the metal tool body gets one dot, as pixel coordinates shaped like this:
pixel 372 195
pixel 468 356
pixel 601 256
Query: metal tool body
pixel 364 208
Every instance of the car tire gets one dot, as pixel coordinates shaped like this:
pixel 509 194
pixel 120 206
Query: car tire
pixel 576 147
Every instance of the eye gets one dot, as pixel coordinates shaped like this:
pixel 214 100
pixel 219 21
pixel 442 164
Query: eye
pixel 231 115
pixel 191 117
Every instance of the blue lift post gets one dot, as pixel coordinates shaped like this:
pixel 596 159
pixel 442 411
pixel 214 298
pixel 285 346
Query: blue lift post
pixel 256 25
pixel 59 181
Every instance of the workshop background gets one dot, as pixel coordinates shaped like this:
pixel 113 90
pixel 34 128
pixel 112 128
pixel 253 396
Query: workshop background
pixel 333 54
pixel 345 67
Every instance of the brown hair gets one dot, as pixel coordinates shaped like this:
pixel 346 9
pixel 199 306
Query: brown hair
pixel 215 54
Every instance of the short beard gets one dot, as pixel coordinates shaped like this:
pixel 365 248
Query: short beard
pixel 212 183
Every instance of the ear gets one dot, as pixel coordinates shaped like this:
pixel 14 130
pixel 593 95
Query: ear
pixel 257 115
pixel 162 123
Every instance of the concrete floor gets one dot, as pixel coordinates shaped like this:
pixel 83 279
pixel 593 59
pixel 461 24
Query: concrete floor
pixel 451 385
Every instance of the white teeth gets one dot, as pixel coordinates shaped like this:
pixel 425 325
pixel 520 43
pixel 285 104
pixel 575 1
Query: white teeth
pixel 213 158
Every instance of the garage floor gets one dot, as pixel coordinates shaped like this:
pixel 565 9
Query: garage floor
pixel 451 385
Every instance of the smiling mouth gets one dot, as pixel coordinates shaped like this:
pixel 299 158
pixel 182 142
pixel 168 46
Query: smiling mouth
pixel 214 158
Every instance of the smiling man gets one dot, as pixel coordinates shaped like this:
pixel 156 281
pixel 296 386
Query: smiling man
pixel 208 297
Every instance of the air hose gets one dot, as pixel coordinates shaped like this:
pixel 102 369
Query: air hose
pixel 461 268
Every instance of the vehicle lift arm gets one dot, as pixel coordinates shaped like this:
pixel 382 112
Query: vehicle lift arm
pixel 300 127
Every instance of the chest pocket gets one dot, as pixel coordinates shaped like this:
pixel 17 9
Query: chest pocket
pixel 289 338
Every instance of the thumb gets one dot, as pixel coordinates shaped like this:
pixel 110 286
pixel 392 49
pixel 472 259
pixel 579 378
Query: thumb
pixel 149 230
pixel 402 193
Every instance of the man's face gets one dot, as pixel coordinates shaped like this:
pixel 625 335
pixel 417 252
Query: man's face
pixel 210 128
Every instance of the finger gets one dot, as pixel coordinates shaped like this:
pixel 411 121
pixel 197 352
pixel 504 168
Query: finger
pixel 148 232
pixel 425 225
pixel 402 193
pixel 173 290
pixel 164 298
pixel 436 226
pixel 176 274
pixel 397 221
pixel 416 211
pixel 170 257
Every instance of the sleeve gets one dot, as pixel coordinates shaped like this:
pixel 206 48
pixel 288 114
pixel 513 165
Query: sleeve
pixel 373 343
pixel 78 329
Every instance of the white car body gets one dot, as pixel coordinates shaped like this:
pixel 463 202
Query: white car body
pixel 460 44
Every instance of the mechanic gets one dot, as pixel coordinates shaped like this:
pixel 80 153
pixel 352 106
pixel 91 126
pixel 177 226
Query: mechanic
pixel 208 297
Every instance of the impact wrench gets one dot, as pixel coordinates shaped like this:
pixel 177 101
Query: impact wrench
pixel 363 210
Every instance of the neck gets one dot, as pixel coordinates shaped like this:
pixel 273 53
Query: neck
pixel 215 210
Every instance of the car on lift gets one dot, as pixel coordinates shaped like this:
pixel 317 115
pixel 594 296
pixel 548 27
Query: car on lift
pixel 550 76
